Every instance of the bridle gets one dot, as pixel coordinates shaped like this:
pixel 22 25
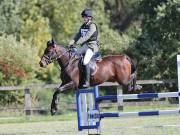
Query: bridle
pixel 49 60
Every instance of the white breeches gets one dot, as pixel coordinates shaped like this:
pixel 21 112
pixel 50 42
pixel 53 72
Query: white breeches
pixel 88 55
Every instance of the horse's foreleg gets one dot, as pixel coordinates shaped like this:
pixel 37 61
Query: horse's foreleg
pixel 70 85
pixel 55 100
pixel 54 103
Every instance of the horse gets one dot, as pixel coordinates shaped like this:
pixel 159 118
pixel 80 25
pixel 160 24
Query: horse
pixel 112 68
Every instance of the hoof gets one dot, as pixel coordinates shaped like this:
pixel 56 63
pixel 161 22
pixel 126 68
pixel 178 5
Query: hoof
pixel 54 108
pixel 53 112
pixel 138 87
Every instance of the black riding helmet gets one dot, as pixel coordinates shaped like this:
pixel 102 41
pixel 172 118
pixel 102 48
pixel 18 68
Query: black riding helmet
pixel 87 12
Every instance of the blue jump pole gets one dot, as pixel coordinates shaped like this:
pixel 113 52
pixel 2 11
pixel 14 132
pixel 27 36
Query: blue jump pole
pixel 143 113
pixel 138 96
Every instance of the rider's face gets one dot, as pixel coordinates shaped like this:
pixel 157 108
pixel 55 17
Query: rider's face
pixel 86 19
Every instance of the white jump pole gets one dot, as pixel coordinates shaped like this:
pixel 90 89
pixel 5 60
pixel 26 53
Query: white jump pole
pixel 84 110
pixel 178 67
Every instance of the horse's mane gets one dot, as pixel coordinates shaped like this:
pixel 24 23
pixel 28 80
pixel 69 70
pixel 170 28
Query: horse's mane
pixel 61 46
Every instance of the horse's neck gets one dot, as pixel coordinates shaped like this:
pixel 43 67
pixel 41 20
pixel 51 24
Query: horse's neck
pixel 71 63
pixel 61 64
pixel 64 57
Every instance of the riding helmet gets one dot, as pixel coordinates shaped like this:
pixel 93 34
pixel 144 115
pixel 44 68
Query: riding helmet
pixel 87 12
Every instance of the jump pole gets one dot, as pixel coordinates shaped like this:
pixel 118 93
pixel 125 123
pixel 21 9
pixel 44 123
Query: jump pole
pixel 178 67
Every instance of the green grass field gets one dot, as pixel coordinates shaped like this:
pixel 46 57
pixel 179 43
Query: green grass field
pixel 67 125
pixel 15 123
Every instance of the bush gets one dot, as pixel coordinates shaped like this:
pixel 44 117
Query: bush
pixel 18 63
pixel 17 60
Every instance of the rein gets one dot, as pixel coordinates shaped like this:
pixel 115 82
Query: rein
pixel 67 63
pixel 61 54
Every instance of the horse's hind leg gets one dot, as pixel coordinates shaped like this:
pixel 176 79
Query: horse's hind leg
pixel 126 83
pixel 132 83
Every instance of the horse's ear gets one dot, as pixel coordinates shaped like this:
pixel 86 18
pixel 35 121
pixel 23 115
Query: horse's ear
pixel 53 43
pixel 52 40
pixel 48 43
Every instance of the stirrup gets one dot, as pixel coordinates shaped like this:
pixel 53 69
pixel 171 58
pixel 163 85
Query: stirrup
pixel 86 85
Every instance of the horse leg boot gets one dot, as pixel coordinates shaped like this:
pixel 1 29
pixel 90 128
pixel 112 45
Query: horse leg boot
pixel 87 76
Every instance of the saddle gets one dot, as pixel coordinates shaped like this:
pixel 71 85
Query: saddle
pixel 92 64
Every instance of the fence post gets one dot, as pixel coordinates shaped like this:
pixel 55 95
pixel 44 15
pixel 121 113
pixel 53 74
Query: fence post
pixel 119 101
pixel 27 99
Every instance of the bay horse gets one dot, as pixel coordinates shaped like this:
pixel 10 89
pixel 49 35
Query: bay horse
pixel 111 68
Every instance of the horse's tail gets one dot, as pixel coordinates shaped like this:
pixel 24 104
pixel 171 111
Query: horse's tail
pixel 133 73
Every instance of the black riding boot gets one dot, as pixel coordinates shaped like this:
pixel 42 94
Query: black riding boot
pixel 87 76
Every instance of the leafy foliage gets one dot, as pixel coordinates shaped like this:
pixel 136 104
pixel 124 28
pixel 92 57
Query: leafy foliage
pixel 156 48
pixel 10 21
pixel 18 64
pixel 18 60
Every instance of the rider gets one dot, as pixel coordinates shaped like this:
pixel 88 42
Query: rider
pixel 87 38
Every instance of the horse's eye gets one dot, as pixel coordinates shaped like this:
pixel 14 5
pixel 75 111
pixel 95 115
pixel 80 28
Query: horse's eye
pixel 49 49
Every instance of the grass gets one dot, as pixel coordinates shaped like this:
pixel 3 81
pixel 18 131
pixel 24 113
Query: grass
pixel 38 118
pixel 66 124
pixel 151 125
pixel 19 117
pixel 110 126
pixel 141 108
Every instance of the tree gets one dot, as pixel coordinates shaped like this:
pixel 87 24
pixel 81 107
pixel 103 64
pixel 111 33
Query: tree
pixel 156 48
pixel 10 21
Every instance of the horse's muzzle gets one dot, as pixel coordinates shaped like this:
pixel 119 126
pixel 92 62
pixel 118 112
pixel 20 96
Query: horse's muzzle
pixel 42 64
